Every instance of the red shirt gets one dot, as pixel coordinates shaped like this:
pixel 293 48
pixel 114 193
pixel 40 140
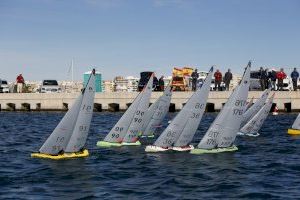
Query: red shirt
pixel 20 79
pixel 218 76
pixel 280 75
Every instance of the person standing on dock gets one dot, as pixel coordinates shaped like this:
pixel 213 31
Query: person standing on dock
pixel 280 76
pixel 161 83
pixel 155 83
pixel 262 78
pixel 295 77
pixel 227 79
pixel 218 80
pixel 195 77
pixel 20 81
pixel 272 77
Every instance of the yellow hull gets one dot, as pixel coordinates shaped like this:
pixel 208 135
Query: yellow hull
pixel 293 132
pixel 84 153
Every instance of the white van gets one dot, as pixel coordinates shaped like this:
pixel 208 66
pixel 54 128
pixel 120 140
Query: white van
pixel 4 88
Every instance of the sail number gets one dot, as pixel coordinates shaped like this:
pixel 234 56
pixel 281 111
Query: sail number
pixel 83 128
pixel 240 103
pixel 87 108
pixel 199 106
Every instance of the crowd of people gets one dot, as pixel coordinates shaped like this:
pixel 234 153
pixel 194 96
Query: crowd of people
pixel 267 78
pixel 218 79
pixel 275 79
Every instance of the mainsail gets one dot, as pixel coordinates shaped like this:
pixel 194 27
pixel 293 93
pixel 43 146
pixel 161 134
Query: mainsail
pixel 296 124
pixel 118 132
pixel 253 126
pixel 139 115
pixel 196 107
pixel 255 107
pixel 58 140
pixel 223 130
pixel 157 112
pixel 188 116
pixel 82 125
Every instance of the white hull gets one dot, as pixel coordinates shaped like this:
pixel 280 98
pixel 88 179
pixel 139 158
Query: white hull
pixel 248 134
pixel 154 149
pixel 188 148
pixel 274 113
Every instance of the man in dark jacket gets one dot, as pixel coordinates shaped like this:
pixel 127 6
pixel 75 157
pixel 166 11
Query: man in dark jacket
pixel 227 79
pixel 295 77
pixel 161 83
pixel 155 83
pixel 262 78
pixel 272 78
pixel 195 77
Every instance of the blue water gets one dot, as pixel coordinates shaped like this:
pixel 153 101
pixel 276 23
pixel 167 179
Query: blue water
pixel 265 167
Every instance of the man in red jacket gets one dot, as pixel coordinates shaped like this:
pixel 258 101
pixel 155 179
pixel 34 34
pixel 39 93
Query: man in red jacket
pixel 280 76
pixel 20 81
pixel 218 79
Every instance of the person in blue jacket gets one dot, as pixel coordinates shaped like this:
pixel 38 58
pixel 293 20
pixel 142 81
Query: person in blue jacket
pixel 295 76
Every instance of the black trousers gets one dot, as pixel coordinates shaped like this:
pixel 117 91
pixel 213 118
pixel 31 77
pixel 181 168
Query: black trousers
pixel 295 84
pixel 280 84
pixel 218 85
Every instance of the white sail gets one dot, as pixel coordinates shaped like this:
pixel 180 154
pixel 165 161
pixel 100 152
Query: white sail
pixel 296 124
pixel 60 137
pixel 137 121
pixel 196 107
pixel 249 104
pixel 255 107
pixel 118 132
pixel 255 123
pixel 192 109
pixel 82 125
pixel 223 130
pixel 157 112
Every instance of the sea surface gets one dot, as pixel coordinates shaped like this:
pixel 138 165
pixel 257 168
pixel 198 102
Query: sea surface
pixel 265 167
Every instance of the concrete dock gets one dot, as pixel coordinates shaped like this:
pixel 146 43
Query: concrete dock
pixel 288 101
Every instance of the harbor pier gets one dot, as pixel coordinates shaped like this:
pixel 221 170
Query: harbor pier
pixel 286 101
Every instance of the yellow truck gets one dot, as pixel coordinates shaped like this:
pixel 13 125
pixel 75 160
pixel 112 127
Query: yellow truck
pixel 180 78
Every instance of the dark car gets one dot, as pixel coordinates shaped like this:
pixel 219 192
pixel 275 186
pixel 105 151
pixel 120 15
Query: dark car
pixel 254 80
pixel 145 76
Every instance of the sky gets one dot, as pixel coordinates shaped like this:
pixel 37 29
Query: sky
pixel 39 38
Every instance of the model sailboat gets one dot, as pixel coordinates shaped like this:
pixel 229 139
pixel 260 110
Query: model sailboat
pixel 156 113
pixel 255 107
pixel 295 130
pixel 252 127
pixel 222 133
pixel 69 137
pixel 126 130
pixel 183 127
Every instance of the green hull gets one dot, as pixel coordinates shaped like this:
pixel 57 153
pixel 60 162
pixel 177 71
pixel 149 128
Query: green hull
pixel 137 143
pixel 218 150
pixel 108 144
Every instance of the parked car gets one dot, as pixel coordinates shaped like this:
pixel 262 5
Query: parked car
pixel 4 88
pixel 49 86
